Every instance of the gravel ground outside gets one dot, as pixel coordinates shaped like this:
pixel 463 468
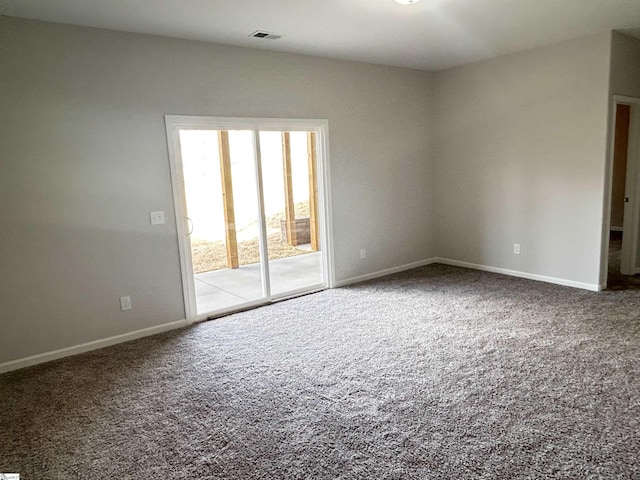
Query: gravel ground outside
pixel 210 255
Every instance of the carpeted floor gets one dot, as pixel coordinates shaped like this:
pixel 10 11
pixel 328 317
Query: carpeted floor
pixel 439 372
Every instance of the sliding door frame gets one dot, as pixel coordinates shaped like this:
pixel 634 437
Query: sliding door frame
pixel 173 125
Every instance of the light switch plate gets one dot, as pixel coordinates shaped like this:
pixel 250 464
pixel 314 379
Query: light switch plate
pixel 157 218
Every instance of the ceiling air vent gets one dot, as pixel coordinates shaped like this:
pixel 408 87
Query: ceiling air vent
pixel 263 34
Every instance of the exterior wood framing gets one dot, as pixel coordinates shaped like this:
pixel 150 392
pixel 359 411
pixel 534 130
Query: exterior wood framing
pixel 313 192
pixel 290 214
pixel 227 200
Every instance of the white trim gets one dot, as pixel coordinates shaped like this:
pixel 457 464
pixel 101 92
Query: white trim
pixel 179 207
pixel 515 273
pixel 323 177
pixel 626 100
pixel 205 122
pixel 386 271
pixel 607 194
pixel 262 219
pixel 474 266
pixel 87 347
pixel 615 229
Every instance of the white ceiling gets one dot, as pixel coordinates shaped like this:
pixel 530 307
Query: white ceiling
pixel 429 35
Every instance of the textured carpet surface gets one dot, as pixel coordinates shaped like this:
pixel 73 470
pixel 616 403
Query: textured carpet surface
pixel 439 372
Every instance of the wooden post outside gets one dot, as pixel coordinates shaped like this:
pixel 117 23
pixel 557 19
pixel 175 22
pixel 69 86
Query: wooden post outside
pixel 289 207
pixel 313 191
pixel 227 199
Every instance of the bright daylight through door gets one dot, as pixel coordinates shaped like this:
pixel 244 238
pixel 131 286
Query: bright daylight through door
pixel 247 192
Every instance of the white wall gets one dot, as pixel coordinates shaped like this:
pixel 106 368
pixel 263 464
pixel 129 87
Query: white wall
pixel 83 159
pixel 519 155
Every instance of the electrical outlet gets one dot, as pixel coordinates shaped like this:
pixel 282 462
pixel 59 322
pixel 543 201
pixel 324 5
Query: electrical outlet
pixel 125 303
pixel 363 253
pixel 516 248
pixel 157 218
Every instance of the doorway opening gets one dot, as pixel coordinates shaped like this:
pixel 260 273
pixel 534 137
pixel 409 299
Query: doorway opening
pixel 250 197
pixel 622 253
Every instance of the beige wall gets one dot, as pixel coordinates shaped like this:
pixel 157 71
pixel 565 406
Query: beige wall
pixel 83 159
pixel 520 158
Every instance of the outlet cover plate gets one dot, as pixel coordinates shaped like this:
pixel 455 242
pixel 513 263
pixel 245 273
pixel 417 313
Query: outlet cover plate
pixel 157 217
pixel 125 303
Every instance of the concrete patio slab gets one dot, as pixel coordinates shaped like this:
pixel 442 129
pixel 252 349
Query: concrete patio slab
pixel 222 289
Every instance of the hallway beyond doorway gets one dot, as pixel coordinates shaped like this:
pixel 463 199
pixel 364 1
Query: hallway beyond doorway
pixel 615 280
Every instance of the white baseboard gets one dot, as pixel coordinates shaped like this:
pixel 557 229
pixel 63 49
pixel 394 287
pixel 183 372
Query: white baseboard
pixel 86 347
pixel 615 229
pixel 125 337
pixel 515 273
pixel 382 273
pixel 474 266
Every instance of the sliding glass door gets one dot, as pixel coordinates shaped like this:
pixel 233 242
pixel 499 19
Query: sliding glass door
pixel 248 207
pixel 290 195
pixel 222 215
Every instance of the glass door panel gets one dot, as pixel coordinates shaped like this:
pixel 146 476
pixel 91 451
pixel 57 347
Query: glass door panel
pixel 222 208
pixel 290 205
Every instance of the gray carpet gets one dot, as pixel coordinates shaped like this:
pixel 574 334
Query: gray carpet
pixel 439 372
